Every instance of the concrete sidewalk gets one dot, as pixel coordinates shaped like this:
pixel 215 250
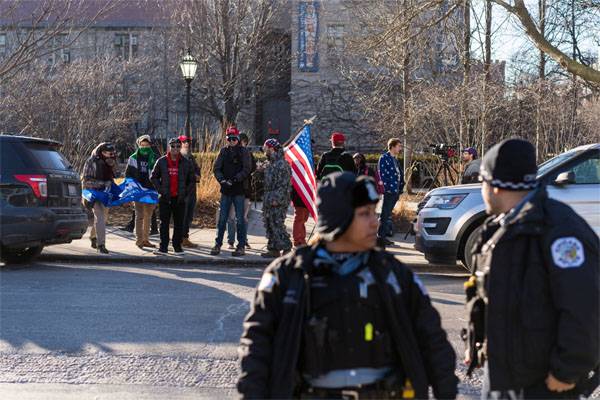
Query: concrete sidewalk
pixel 121 245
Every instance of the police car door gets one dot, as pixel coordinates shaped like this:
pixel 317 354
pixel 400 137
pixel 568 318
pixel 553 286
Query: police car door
pixel 578 185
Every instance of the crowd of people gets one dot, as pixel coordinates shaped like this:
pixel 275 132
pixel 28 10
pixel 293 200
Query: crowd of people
pixel 175 174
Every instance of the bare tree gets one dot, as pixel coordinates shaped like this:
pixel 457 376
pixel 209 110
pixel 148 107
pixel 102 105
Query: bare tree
pixel 78 104
pixel 35 29
pixel 231 39
pixel 520 10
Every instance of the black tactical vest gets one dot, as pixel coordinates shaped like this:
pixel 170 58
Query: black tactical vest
pixel 346 327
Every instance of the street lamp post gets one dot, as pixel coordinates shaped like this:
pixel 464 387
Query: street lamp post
pixel 188 67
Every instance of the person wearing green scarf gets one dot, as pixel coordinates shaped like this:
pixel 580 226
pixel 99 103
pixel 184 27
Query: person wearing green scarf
pixel 139 167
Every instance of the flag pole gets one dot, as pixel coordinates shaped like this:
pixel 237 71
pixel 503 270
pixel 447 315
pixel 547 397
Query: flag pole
pixel 309 121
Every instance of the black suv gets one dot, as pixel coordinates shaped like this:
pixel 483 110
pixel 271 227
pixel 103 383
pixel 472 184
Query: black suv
pixel 40 198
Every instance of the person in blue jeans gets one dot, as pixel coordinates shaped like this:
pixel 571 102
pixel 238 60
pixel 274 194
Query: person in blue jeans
pixel 231 168
pixel 392 177
pixel 231 223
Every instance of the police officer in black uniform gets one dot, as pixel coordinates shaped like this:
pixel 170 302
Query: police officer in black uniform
pixel 534 295
pixel 341 319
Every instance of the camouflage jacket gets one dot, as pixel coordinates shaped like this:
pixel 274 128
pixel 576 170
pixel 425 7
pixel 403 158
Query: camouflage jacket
pixel 278 181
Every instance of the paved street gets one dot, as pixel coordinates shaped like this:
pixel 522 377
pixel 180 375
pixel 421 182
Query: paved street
pixel 138 331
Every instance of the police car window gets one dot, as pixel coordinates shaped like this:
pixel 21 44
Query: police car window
pixel 555 161
pixel 587 171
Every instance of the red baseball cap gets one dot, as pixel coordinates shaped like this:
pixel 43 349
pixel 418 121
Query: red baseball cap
pixel 338 137
pixel 183 138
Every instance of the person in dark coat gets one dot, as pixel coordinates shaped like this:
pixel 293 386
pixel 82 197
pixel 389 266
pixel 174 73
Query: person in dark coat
pixel 190 202
pixel 336 159
pixel 232 167
pixel 471 167
pixel 534 295
pixel 174 179
pixel 231 224
pixel 341 317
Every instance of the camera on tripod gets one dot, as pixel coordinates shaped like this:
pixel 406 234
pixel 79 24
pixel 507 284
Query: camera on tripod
pixel 443 150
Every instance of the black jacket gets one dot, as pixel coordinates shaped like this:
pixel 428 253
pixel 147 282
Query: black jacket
pixel 338 156
pixel 233 164
pixel 186 182
pixel 543 295
pixel 270 344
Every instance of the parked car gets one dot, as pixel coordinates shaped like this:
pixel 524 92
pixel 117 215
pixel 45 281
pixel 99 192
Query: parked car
pixel 40 198
pixel 449 217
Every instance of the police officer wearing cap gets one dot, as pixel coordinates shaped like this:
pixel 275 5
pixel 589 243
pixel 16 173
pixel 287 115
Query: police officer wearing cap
pixel 534 295
pixel 342 319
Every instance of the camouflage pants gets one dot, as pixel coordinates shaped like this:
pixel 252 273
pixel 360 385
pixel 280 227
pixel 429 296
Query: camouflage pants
pixel 277 235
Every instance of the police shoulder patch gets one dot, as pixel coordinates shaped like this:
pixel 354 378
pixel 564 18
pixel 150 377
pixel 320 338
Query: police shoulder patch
pixel 567 252
pixel 267 282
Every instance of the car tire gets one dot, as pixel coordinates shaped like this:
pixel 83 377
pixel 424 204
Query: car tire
pixel 19 256
pixel 467 257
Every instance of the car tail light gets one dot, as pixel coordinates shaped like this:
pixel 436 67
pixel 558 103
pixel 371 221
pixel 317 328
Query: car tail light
pixel 38 183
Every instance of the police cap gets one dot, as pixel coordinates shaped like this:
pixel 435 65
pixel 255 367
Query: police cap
pixel 510 165
pixel 337 197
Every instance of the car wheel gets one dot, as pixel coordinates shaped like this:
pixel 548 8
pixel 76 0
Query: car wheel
pixel 19 256
pixel 467 259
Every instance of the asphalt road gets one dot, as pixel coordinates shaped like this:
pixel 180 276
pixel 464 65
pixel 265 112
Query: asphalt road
pixel 141 332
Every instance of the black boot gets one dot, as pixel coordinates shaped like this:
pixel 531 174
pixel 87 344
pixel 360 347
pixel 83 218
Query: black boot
pixel 102 249
pixel 93 243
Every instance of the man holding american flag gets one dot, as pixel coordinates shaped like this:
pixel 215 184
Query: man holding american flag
pixel 298 153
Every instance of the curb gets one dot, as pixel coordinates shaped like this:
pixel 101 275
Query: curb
pixel 235 262
pixel 169 260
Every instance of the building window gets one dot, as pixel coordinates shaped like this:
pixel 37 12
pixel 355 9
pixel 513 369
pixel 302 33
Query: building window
pixel 126 46
pixel 335 36
pixel 59 52
pixel 2 44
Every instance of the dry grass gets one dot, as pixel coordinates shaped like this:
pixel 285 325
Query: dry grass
pixel 207 192
pixel 402 215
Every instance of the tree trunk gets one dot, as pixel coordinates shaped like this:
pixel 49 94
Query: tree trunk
pixel 466 60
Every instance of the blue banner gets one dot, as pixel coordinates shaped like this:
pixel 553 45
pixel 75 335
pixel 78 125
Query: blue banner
pixel 128 191
pixel 308 36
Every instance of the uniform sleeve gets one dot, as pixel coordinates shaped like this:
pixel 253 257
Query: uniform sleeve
pixel 574 283
pixel 438 355
pixel 256 345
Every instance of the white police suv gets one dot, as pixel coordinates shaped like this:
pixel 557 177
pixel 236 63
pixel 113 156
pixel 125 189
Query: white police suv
pixel 449 217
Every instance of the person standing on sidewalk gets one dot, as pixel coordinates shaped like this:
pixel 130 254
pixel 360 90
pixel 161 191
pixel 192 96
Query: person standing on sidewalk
pixel 247 198
pixel 173 178
pixel 139 166
pixel 392 177
pixel 190 201
pixel 276 199
pixel 336 159
pixel 98 174
pixel 300 217
pixel 231 168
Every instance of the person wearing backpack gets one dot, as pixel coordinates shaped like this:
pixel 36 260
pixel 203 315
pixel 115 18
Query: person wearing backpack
pixel 336 159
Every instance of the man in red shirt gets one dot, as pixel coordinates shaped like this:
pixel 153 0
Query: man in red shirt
pixel 174 179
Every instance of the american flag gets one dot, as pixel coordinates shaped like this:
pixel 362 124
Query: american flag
pixel 298 154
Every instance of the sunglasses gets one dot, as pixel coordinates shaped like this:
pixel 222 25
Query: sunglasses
pixel 232 139
pixel 175 146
